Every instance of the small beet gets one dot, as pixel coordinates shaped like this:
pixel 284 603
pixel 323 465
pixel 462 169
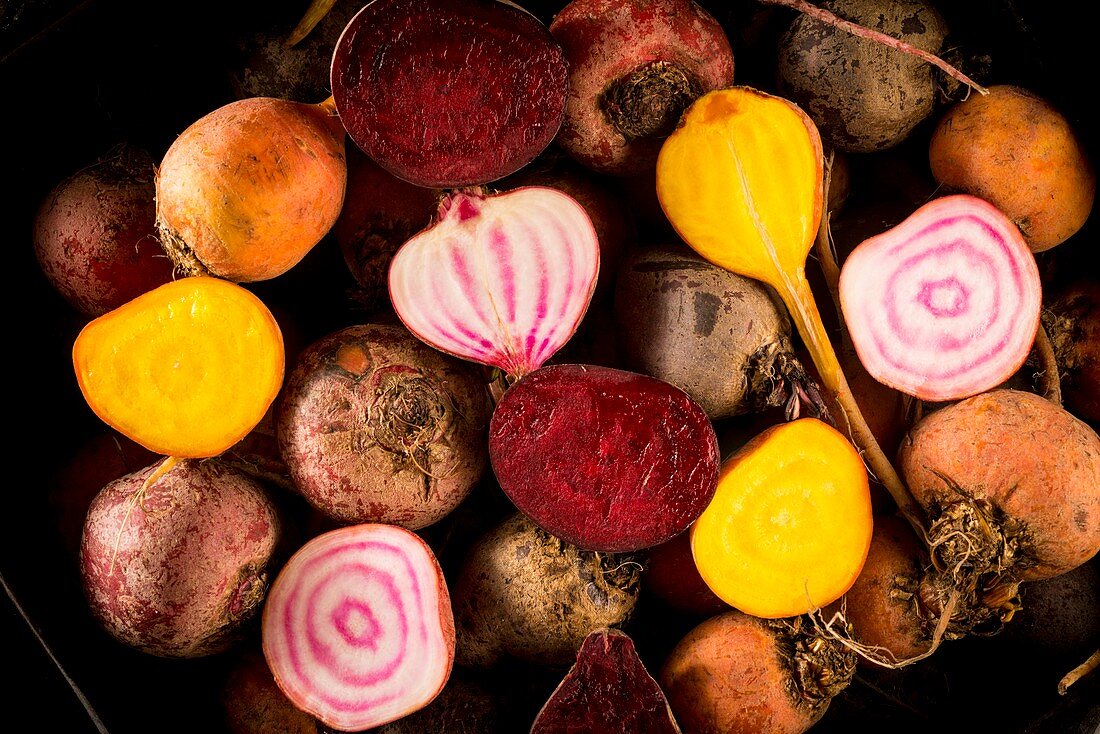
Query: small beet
pixel 946 304
pixel 608 691
pixel 634 66
pixel 174 565
pixel 357 627
pixel 448 93
pixel 605 459
pixel 502 280
pixel 254 704
pixel 672 576
pixel 95 234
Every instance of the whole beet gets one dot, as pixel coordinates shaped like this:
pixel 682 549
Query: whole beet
pixel 174 568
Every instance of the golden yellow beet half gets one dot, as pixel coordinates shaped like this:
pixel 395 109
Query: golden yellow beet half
pixel 185 370
pixel 790 524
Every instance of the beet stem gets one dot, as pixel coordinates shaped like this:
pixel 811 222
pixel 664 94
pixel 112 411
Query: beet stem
pixel 1050 381
pixel 314 14
pixel 1078 673
pixel 826 256
pixel 857 30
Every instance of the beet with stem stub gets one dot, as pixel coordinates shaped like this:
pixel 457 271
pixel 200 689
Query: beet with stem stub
pixel 447 93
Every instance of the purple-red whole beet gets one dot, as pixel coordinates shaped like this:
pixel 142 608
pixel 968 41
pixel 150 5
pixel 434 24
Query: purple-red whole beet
pixel 174 568
pixel 737 674
pixel 375 426
pixel 501 280
pixel 525 594
pixel 946 304
pixel 357 628
pixel 381 212
pixel 95 234
pixel 601 199
pixel 447 93
pixel 254 704
pixel 604 459
pixel 608 691
pixel 1072 319
pixel 720 337
pixel 634 67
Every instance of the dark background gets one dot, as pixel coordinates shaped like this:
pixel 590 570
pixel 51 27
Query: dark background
pixel 78 78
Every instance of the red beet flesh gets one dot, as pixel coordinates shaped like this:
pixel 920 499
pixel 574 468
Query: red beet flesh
pixel 447 93
pixel 607 691
pixel 604 459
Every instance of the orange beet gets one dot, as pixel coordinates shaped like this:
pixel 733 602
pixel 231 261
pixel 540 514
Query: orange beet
pixel 1013 149
pixel 249 189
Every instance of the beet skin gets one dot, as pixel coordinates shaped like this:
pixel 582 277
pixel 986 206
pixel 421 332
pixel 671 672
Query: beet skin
pixel 604 459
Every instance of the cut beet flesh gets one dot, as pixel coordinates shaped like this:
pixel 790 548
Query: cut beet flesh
pixel 357 627
pixel 448 93
pixel 946 304
pixel 608 691
pixel 604 459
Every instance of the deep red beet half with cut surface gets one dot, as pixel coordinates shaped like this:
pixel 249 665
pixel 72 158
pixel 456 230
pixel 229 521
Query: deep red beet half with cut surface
pixel 358 629
pixel 604 459
pixel 608 691
pixel 946 304
pixel 448 93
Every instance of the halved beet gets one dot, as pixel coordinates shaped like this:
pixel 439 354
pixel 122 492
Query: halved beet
pixel 448 93
pixel 608 690
pixel 357 628
pixel 604 459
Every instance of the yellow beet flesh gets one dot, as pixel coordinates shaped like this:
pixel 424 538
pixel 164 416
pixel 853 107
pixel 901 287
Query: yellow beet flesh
pixel 789 527
pixel 185 370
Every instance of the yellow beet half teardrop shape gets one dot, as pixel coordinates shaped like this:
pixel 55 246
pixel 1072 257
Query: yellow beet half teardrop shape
pixel 789 527
pixel 185 370
pixel 741 181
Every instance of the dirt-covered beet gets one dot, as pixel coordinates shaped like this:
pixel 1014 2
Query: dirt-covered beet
pixel 605 459
pixel 737 674
pixel 381 212
pixel 720 337
pixel 376 426
pixel 175 568
pixel 608 691
pixel 466 705
pixel 525 594
pixel 863 95
pixel 1058 619
pixel 1072 320
pixel 1011 485
pixel 447 93
pixel 882 606
pixel 634 67
pixel 95 234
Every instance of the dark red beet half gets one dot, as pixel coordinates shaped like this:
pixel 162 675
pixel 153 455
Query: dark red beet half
pixel 608 691
pixel 604 459
pixel 447 93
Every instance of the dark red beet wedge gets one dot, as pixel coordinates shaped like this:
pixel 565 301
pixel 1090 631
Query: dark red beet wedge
pixel 608 691
pixel 604 459
pixel 447 93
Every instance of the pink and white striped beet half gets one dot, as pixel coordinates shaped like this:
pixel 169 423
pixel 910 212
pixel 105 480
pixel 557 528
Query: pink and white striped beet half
pixel 946 304
pixel 502 280
pixel 357 628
